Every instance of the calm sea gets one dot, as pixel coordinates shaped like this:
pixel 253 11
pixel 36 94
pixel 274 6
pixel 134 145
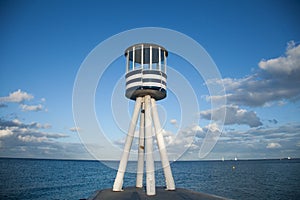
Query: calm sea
pixel 61 179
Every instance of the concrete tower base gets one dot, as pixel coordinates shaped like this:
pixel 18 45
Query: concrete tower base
pixel 133 193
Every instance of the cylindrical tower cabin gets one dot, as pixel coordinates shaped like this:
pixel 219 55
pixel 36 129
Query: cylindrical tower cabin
pixel 146 66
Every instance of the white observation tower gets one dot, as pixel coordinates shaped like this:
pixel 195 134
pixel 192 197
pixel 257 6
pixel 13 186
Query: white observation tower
pixel 146 82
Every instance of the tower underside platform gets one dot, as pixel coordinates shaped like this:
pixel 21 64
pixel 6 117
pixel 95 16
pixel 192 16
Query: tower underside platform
pixel 154 92
pixel 133 193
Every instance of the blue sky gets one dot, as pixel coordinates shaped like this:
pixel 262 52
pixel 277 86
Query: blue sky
pixel 255 45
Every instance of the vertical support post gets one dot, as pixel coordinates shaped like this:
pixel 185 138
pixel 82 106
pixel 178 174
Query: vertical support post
pixel 141 149
pixel 150 63
pixel 118 184
pixel 133 58
pixel 165 62
pixel 150 178
pixel 162 148
pixel 159 58
pixel 142 57
pixel 127 62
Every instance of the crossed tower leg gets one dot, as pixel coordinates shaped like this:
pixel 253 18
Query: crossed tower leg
pixel 146 106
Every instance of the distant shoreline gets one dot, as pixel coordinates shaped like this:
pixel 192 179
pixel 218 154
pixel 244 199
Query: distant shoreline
pixel 86 160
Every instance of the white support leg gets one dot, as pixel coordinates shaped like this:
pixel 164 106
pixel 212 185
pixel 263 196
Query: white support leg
pixel 150 178
pixel 123 162
pixel 162 148
pixel 141 149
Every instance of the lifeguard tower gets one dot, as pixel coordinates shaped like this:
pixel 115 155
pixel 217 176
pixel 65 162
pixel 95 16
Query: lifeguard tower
pixel 146 83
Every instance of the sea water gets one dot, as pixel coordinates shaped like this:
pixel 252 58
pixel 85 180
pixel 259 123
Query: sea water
pixel 68 179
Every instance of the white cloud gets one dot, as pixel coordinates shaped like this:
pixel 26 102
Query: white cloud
pixel 5 133
pixel 213 127
pixel 234 115
pixel 277 80
pixel 173 121
pixel 74 129
pixel 19 139
pixel 31 138
pixel 284 65
pixel 273 145
pixel 35 108
pixel 18 124
pixel 17 97
pixel 197 128
pixel 40 126
pixel 250 144
pixel 18 129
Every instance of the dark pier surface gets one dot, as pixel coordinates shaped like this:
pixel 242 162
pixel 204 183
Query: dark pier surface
pixel 132 193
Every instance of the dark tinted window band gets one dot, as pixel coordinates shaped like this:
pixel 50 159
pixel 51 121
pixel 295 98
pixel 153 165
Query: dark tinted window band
pixel 134 80
pixel 146 80
pixel 133 73
pixel 145 72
